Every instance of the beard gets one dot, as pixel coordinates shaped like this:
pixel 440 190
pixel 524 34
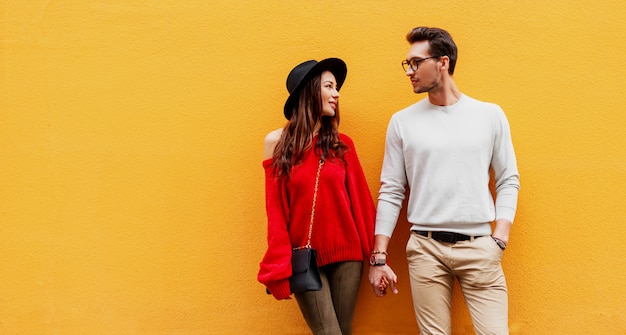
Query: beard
pixel 433 85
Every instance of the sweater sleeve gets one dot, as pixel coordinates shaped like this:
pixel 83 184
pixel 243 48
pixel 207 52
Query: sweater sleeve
pixel 506 174
pixel 361 199
pixel 393 182
pixel 275 268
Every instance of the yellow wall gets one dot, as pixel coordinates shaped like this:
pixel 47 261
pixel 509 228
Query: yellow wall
pixel 131 187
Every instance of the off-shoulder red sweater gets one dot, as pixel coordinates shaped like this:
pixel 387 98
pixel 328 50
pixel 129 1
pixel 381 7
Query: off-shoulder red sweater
pixel 343 229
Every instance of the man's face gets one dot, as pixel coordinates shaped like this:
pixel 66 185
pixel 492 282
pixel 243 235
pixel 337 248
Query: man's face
pixel 427 76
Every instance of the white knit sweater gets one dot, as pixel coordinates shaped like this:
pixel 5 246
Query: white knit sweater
pixel 443 154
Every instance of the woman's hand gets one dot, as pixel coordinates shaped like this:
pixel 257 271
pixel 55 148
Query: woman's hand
pixel 382 277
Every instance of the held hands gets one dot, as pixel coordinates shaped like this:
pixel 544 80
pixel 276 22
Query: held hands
pixel 382 277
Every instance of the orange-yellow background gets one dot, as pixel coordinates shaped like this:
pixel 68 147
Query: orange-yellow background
pixel 131 187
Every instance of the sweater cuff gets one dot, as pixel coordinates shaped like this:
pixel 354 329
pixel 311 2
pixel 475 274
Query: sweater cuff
pixel 386 218
pixel 506 213
pixel 280 289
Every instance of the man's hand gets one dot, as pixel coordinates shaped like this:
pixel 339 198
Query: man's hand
pixel 380 278
pixel 502 230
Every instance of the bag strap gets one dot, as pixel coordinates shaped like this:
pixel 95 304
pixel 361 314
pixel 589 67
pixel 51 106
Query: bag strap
pixel 317 180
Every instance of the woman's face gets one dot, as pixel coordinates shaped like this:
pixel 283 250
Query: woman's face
pixel 330 95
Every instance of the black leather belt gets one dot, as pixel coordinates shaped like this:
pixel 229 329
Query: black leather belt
pixel 444 236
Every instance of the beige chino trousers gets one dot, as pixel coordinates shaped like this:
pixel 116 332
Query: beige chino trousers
pixel 476 264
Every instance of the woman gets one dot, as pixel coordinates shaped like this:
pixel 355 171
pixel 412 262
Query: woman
pixel 343 227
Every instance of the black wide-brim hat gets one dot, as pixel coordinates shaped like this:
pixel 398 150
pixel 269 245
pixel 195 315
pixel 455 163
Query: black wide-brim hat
pixel 302 73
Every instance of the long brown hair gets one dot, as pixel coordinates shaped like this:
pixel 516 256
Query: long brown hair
pixel 298 134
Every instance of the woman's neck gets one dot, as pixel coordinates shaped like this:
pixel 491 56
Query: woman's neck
pixel 316 129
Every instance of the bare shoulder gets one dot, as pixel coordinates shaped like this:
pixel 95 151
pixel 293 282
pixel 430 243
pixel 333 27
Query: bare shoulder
pixel 270 142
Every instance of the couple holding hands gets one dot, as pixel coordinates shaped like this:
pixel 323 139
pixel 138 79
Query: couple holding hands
pixel 442 148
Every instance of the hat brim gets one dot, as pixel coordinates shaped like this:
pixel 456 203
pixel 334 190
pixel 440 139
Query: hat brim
pixel 335 65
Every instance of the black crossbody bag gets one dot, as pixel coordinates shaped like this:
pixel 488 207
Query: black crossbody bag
pixel 305 272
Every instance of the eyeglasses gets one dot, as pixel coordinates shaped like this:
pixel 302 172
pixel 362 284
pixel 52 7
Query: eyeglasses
pixel 414 62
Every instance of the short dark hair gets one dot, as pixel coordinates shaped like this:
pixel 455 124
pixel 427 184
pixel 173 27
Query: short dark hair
pixel 440 41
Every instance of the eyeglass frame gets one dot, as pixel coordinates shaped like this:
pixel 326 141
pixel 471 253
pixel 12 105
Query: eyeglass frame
pixel 407 62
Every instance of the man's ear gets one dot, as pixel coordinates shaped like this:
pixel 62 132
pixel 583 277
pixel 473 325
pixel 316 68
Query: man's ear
pixel 445 62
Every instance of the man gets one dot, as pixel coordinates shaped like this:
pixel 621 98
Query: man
pixel 443 148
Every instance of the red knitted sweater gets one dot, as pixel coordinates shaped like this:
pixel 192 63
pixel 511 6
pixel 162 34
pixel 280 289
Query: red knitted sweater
pixel 343 229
